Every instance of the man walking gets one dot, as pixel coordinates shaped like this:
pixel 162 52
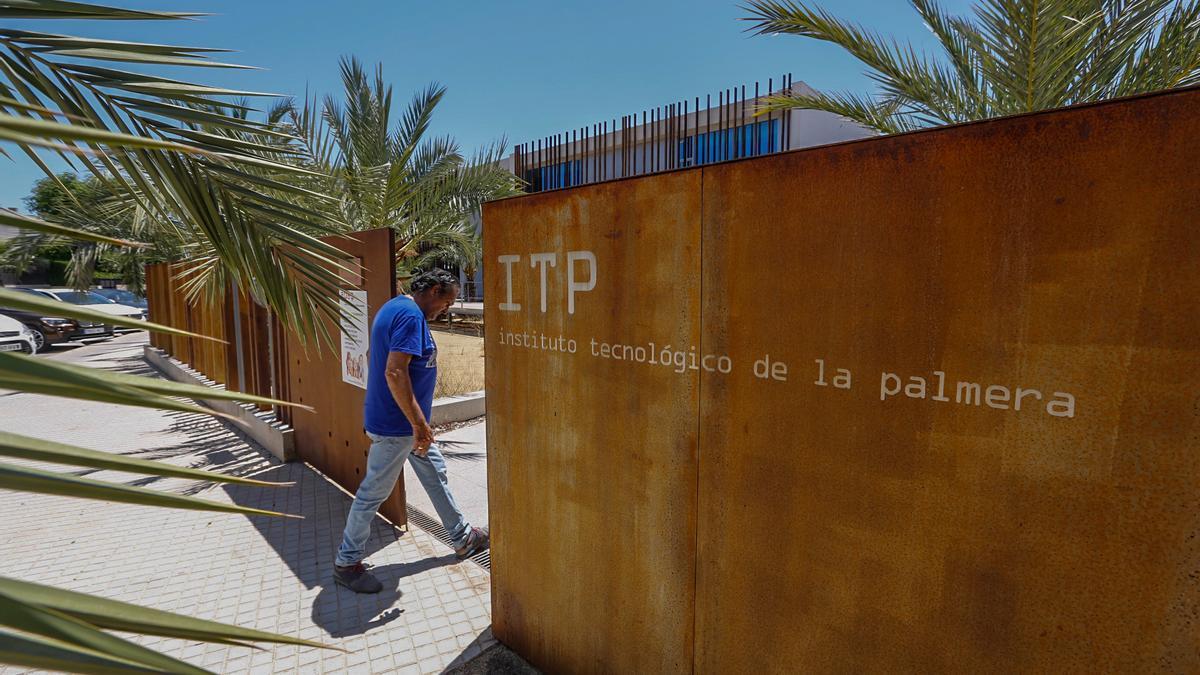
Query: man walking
pixel 400 382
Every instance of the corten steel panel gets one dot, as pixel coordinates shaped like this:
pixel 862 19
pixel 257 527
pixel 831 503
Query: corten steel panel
pixel 844 533
pixel 591 461
pixel 157 301
pixel 332 438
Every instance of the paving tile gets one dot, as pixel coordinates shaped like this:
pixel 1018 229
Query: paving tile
pixel 264 573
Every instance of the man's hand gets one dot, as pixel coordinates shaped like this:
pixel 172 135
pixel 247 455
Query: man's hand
pixel 422 439
pixel 399 383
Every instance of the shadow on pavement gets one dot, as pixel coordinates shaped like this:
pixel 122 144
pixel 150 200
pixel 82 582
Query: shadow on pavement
pixel 486 656
pixel 340 611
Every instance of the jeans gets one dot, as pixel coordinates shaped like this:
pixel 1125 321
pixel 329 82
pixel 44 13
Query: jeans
pixel 384 462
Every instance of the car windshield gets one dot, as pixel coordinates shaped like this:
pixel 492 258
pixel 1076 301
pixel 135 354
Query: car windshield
pixel 77 298
pixel 34 292
pixel 118 295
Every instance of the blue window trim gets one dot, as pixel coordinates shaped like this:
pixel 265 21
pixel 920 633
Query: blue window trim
pixel 757 138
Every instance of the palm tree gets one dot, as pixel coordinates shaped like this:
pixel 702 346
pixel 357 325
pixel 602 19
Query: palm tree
pixel 194 169
pixel 1012 56
pixel 388 174
pixel 197 175
pixel 90 205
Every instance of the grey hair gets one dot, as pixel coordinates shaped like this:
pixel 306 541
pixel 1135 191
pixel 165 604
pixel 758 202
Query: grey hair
pixel 437 280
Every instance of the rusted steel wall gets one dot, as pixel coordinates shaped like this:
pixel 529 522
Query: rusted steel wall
pixel 958 430
pixel 332 438
pixel 591 461
pixel 169 305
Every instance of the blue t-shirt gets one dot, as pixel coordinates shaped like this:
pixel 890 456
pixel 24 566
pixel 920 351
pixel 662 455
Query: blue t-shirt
pixel 399 326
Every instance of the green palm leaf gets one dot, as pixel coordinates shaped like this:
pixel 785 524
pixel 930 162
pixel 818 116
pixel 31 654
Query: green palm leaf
pixel 1011 56
pixel 33 651
pixel 122 616
pixel 26 479
pixel 39 450
pixel 55 625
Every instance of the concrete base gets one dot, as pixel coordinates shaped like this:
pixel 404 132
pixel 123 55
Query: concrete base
pixel 261 426
pixel 458 408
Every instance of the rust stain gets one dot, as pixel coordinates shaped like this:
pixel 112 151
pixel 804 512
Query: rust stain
pixel 652 521
pixel 592 461
pixel 333 440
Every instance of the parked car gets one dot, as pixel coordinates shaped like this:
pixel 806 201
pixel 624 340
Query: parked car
pixel 51 330
pixel 94 301
pixel 123 297
pixel 16 336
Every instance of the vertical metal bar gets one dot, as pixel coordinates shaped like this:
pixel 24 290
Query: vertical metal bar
pixel 788 126
pixel 607 171
pixel 271 358
pixel 603 139
pixel 683 132
pixel 741 123
pixel 661 144
pixel 670 133
pixel 680 130
pixel 757 139
pixel 645 142
pixel 613 173
pixel 624 145
pixel 658 139
pixel 237 337
pixel 735 126
pixel 650 143
pixel 770 117
pixel 729 122
pixel 621 140
pixel 708 128
pixel 680 127
pixel 676 128
pixel 720 121
pixel 662 138
pixel 653 141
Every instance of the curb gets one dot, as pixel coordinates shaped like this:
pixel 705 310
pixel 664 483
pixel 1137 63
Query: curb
pixel 276 438
pixel 458 408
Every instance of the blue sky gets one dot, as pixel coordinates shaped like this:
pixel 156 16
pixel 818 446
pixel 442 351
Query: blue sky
pixel 520 68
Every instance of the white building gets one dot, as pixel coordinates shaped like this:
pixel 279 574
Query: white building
pixel 685 134
pixel 680 135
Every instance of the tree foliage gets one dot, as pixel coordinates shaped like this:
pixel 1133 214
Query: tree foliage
pixel 387 172
pixel 1009 57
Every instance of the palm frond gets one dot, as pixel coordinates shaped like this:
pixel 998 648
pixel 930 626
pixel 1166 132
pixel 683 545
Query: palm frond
pixel 1008 57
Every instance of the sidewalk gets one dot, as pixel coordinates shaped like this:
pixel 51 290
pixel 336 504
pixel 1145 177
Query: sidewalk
pixel 265 573
pixel 465 450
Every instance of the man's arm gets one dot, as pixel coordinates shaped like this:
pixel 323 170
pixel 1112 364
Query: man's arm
pixel 396 374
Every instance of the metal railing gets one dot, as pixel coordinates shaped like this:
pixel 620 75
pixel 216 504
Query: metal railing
pixel 677 135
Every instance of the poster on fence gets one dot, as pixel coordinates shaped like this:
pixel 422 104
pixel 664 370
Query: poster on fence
pixel 355 336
